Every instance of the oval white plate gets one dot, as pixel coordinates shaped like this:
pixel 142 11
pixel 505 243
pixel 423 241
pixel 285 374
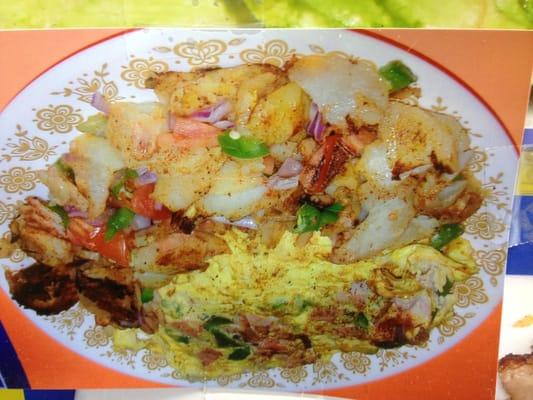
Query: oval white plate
pixel 38 124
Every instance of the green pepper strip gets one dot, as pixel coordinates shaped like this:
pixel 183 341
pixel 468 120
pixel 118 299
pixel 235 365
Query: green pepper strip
pixel 309 218
pixel 223 340
pixel 215 321
pixel 62 213
pixel 176 336
pixel 242 147
pixel 239 353
pixel 447 288
pixel 446 234
pixel 95 124
pixel 147 295
pixel 65 168
pixel 127 174
pixel 397 74
pixel 121 219
pixel 361 321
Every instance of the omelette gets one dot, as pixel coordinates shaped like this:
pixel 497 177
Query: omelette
pixel 256 216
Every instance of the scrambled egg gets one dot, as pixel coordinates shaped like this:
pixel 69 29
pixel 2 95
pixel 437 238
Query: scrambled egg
pixel 287 283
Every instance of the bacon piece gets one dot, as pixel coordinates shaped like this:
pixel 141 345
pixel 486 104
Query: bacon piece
pixel 208 356
pixel 191 328
pixel 327 314
pixel 327 162
pixel 43 289
pixel 268 347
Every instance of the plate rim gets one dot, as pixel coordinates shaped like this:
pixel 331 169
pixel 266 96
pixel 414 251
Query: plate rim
pixel 363 32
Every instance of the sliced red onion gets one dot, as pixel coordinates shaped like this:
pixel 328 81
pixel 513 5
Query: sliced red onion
pixel 100 103
pixel 141 170
pixel 224 124
pixel 99 221
pixel 360 289
pixel 315 127
pixel 158 206
pixel 246 222
pixel 212 114
pixel 171 121
pixel 278 183
pixel 202 115
pixel 68 158
pixel 73 212
pixel 77 214
pixel 342 296
pixel 289 168
pixel 139 222
pixel 146 178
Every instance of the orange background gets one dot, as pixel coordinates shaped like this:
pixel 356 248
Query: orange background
pixel 497 65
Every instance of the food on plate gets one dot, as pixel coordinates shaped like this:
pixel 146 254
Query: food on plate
pixel 256 216
pixel 516 372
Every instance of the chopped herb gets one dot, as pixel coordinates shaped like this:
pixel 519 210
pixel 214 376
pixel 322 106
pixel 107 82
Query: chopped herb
pixel 95 124
pixel 446 289
pixel 127 174
pixel 397 74
pixel 446 234
pixel 115 190
pixel 239 353
pixel 130 173
pixel 223 340
pixel 176 336
pixel 335 207
pixel 309 218
pixel 215 321
pixel 62 213
pixel 327 217
pixel 301 304
pixel 121 219
pixel 361 321
pixel 459 177
pixel 147 294
pixel 279 302
pixel 242 146
pixel 65 168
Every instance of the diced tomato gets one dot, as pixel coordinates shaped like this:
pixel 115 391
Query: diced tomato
pixel 200 141
pixel 167 140
pixel 189 133
pixel 194 129
pixel 116 249
pixel 329 147
pixel 143 204
pixel 92 237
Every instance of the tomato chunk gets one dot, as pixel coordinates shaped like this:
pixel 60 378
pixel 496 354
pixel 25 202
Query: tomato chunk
pixel 143 204
pixel 92 237
pixel 194 129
